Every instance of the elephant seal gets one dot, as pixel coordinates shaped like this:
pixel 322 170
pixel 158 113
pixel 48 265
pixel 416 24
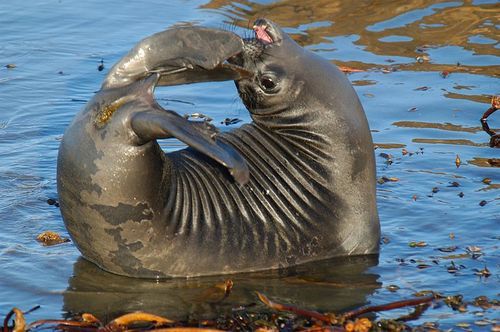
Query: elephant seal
pixel 295 185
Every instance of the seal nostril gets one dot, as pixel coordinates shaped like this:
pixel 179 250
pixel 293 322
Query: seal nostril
pixel 260 22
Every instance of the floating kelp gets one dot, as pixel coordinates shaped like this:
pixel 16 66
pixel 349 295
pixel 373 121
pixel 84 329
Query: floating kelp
pixel 49 238
pixel 282 316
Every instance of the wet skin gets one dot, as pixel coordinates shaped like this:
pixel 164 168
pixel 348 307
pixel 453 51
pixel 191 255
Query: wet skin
pixel 295 185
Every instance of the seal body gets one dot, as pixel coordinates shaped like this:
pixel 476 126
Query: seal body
pixel 295 185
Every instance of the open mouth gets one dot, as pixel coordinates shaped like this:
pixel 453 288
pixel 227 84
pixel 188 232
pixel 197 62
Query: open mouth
pixel 261 34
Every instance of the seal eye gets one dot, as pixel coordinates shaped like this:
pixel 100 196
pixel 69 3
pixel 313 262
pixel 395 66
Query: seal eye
pixel 267 83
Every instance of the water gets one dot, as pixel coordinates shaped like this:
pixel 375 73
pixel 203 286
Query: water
pixel 58 45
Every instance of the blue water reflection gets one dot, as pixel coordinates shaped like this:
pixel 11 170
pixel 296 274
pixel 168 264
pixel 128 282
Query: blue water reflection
pixel 56 47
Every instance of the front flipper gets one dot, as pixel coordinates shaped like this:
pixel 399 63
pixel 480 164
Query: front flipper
pixel 158 123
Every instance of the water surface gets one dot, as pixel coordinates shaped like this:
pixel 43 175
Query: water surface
pixel 403 49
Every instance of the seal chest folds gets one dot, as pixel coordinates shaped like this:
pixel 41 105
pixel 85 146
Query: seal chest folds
pixel 296 184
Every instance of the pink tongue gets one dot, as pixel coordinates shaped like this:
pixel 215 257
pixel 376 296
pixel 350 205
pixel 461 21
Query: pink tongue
pixel 262 35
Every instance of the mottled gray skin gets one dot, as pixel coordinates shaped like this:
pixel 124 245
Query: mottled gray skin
pixel 295 185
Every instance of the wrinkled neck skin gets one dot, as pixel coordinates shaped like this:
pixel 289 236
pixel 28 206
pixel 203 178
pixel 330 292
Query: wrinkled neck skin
pixel 315 102
pixel 315 112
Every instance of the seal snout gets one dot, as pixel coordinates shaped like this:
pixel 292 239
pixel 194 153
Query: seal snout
pixel 262 35
pixel 266 31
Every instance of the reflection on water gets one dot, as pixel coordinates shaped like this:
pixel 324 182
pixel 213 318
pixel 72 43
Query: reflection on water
pixel 312 286
pixel 486 162
pixel 429 71
pixel 479 99
pixel 441 126
pixel 424 25
pixel 448 141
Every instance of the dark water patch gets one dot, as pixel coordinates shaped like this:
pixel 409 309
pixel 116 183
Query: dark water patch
pixel 103 293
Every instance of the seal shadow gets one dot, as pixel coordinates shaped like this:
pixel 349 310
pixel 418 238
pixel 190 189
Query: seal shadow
pixel 332 285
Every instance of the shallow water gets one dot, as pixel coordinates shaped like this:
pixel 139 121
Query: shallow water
pixel 57 46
